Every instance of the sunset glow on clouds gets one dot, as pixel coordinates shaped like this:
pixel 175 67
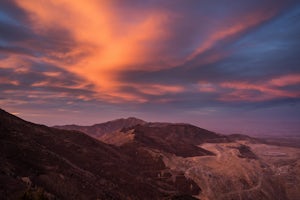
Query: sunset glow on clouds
pixel 104 42
pixel 148 58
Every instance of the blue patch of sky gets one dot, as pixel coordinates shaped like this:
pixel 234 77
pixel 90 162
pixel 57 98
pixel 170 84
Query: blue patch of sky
pixel 6 18
pixel 277 35
pixel 266 48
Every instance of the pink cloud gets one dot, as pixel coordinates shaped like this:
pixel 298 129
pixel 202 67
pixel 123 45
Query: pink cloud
pixel 261 91
pixel 5 80
pixel 290 79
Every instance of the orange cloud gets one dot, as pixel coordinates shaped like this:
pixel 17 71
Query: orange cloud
pixel 105 42
pixel 52 74
pixel 143 89
pixel 15 62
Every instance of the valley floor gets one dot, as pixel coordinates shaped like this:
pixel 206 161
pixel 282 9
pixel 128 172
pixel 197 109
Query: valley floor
pixel 231 175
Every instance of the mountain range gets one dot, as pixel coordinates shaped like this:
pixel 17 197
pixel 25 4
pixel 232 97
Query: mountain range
pixel 134 159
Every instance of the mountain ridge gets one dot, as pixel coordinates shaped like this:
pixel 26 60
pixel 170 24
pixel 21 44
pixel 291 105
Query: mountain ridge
pixel 98 129
pixel 150 133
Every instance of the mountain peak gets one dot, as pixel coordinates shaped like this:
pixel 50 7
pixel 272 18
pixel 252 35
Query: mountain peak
pixel 127 120
pixel 134 118
pixel 97 130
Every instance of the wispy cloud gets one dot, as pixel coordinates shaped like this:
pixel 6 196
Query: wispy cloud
pixel 261 91
pixel 146 56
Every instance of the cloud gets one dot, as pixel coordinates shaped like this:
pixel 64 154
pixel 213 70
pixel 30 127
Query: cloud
pixel 263 90
pixel 100 48
pixel 104 39
pixel 148 56
pixel 292 79
pixel 8 81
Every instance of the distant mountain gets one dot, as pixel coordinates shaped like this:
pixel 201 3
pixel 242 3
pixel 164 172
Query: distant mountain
pixel 97 130
pixel 134 159
pixel 180 139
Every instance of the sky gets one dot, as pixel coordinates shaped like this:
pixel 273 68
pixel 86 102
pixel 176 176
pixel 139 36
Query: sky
pixel 229 66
